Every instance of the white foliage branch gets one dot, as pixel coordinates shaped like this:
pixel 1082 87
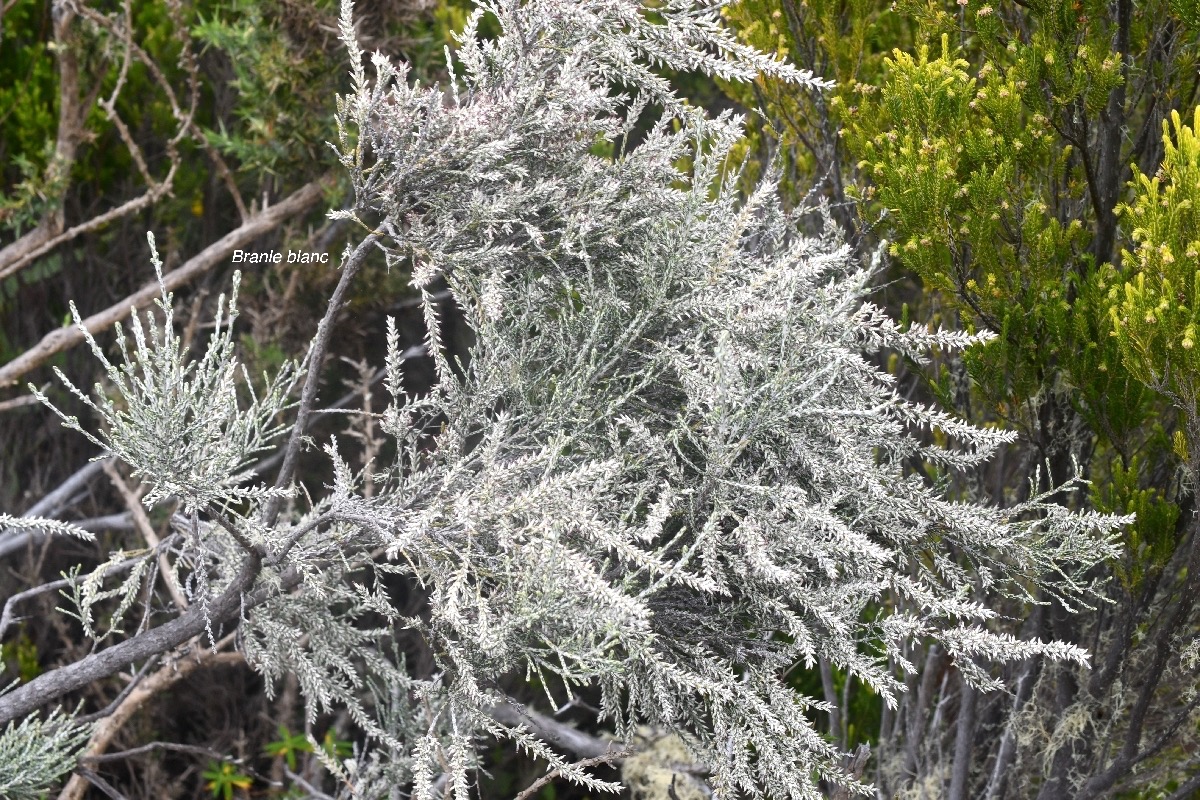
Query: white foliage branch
pixel 666 470
pixel 666 467
pixel 178 422
pixel 37 752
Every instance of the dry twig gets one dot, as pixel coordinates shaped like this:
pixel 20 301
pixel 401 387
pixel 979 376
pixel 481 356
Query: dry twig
pixel 170 673
pixel 298 202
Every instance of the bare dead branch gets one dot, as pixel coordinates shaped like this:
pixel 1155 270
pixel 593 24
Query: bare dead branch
pixel 298 202
pixel 45 245
pixel 170 673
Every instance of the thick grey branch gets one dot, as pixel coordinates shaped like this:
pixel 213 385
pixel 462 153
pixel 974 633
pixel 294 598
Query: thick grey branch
pixel 54 684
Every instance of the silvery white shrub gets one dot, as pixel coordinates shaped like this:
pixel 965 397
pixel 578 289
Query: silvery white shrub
pixel 34 753
pixel 667 469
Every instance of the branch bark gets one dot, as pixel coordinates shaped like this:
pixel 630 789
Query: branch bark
pixel 1188 789
pixel 1008 742
pixel 964 736
pixel 316 355
pixel 71 115
pixel 52 685
pixel 110 726
pixel 553 731
pixel 298 202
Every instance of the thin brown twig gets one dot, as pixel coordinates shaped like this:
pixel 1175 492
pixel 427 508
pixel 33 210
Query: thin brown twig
pixel 120 755
pixel 167 675
pixel 109 104
pixel 186 119
pixel 156 72
pixel 134 681
pixel 86 775
pixel 47 244
pixel 142 522
pixel 190 749
pixel 187 60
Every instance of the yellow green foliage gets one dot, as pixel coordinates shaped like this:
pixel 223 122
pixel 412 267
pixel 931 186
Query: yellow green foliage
pixel 950 158
pixel 957 143
pixel 1111 399
pixel 1150 540
pixel 845 40
pixel 1156 312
